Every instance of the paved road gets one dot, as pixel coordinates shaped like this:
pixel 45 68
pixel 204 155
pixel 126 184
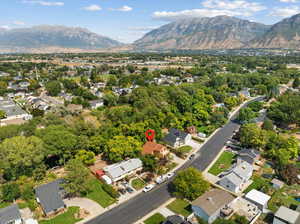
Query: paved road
pixel 139 206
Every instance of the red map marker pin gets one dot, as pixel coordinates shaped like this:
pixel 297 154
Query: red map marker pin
pixel 150 134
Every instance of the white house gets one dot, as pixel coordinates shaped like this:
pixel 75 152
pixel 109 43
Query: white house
pixel 285 215
pixel 176 138
pixel 120 170
pixel 237 178
pixel 258 198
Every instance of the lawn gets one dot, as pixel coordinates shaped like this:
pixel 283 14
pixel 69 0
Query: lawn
pixel 259 183
pixel 4 204
pixel 157 218
pixel 137 184
pixel 98 195
pixel 224 162
pixel 66 218
pixel 180 206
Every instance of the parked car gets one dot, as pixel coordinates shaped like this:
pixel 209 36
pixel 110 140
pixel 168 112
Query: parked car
pixel 192 156
pixel 129 190
pixel 170 175
pixel 122 191
pixel 148 188
pixel 161 179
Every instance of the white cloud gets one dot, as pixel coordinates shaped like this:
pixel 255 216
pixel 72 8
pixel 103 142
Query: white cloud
pixel 44 3
pixel 4 27
pixel 124 8
pixel 285 12
pixel 19 23
pixel 211 8
pixel 93 8
pixel 288 1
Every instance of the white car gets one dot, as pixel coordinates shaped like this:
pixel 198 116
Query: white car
pixel 161 179
pixel 148 188
pixel 170 175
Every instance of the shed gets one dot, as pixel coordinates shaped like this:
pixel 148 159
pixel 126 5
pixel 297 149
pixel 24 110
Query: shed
pixel 277 184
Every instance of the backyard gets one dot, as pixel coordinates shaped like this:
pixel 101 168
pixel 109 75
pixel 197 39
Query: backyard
pixel 66 218
pixel 180 206
pixel 98 195
pixel 224 162
pixel 157 218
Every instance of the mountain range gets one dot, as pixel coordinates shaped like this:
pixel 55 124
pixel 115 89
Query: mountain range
pixel 221 32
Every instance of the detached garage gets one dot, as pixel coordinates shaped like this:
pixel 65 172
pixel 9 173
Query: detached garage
pixel 258 198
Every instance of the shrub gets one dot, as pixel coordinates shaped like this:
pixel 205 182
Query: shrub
pixel 110 190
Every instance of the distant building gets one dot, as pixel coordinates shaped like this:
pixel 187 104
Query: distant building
pixel 245 93
pixel 176 138
pixel 285 215
pixel 119 171
pixel 10 215
pixel 96 104
pixel 209 206
pixel 50 197
pixel 277 184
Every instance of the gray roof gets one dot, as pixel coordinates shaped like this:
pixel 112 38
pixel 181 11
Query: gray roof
pixel 10 213
pixel 288 215
pixel 243 170
pixel 233 178
pixel 119 169
pixel 51 196
pixel 10 108
pixel 173 134
pixel 174 219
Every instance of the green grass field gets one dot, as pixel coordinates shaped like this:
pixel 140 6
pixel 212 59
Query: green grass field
pixel 224 162
pixel 66 218
pixel 98 195
pixel 180 206
pixel 155 219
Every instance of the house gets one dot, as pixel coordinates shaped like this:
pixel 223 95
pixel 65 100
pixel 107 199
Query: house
pixel 285 215
pixel 237 178
pixel 191 130
pixel 258 198
pixel 245 93
pixel 277 184
pixel 176 138
pixel 96 104
pixel 174 219
pixel 50 197
pixel 10 215
pixel 119 171
pixel 13 111
pixel 74 108
pixel 208 206
pixel 250 156
pixel 152 148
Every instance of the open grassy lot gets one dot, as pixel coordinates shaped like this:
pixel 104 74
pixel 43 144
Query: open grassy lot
pixel 98 195
pixel 157 218
pixel 224 162
pixel 66 218
pixel 137 184
pixel 180 206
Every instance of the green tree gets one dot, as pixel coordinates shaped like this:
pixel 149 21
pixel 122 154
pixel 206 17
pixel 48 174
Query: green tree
pixel 77 179
pixel 150 163
pixel 190 184
pixel 252 136
pixel 268 125
pixel 10 192
pixel 86 157
pixel 296 83
pixel 246 115
pixel 53 88
pixel 121 147
pixel 2 114
pixel 21 155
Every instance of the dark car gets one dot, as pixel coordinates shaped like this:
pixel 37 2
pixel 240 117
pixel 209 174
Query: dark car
pixel 129 189
pixel 192 156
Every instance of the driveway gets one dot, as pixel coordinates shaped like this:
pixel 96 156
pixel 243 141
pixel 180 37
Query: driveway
pixel 92 207
pixel 194 144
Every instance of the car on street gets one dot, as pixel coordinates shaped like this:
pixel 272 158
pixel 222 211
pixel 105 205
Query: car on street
pixel 170 175
pixel 192 156
pixel 148 188
pixel 161 179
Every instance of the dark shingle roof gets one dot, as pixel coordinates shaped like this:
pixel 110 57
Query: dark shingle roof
pixel 173 135
pixel 50 196
pixel 10 213
pixel 174 219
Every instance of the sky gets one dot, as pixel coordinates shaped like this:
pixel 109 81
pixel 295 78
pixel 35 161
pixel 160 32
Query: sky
pixel 129 20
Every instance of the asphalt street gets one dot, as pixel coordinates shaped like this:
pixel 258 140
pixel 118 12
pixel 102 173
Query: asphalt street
pixel 139 206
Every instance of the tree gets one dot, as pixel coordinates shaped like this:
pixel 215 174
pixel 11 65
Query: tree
pixel 296 83
pixel 77 179
pixel 290 173
pixel 86 157
pixel 256 106
pixel 150 163
pixel 53 88
pixel 190 184
pixel 121 147
pixel 21 155
pixel 246 115
pixel 10 192
pixel 2 114
pixel 231 102
pixel 268 125
pixel 223 221
pixel 252 136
